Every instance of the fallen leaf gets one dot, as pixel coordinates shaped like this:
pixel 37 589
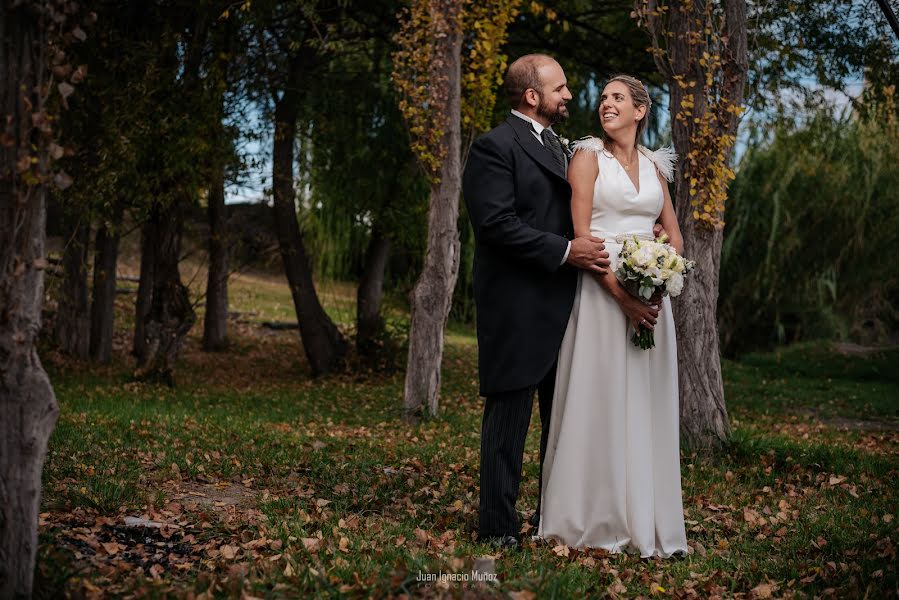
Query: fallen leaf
pixel 111 548
pixel 311 544
pixel 763 590
pixel 617 587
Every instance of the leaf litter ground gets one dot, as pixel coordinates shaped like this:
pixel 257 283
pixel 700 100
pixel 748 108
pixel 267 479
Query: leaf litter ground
pixel 250 480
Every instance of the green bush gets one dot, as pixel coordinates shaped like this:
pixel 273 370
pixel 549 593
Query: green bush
pixel 810 248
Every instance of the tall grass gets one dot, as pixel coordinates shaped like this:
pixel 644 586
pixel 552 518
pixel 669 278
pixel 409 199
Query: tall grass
pixel 810 245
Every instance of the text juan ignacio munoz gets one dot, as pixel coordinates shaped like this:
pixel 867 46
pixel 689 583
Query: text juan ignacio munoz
pixel 441 577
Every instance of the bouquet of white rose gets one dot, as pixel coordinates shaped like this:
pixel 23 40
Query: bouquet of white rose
pixel 649 266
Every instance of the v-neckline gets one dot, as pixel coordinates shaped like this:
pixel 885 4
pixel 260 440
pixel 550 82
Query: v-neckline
pixel 627 175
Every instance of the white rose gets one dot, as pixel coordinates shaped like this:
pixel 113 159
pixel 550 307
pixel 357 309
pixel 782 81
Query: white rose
pixel 675 284
pixel 643 256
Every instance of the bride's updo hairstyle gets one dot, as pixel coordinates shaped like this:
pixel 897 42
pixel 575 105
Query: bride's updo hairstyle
pixel 639 96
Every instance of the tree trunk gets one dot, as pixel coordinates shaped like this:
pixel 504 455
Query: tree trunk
pixel 323 343
pixel 28 408
pixel 148 247
pixel 433 293
pixel 171 315
pixel 369 324
pixel 106 254
pixel 215 322
pixel 163 312
pixel 703 416
pixel 73 316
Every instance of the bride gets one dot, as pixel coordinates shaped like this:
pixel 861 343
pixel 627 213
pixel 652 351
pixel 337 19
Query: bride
pixel 611 476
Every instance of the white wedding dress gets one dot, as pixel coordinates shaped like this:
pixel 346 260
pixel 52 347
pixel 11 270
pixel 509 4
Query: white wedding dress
pixel 611 476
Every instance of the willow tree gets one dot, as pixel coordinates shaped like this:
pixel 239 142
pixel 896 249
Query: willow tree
pixel 700 48
pixel 431 76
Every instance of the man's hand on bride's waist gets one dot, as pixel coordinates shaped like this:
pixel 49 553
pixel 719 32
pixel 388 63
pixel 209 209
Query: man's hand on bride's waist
pixel 589 253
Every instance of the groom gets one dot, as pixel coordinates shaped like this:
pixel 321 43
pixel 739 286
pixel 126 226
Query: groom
pixel 525 276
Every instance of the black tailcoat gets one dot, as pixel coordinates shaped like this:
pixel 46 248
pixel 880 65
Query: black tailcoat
pixel 520 207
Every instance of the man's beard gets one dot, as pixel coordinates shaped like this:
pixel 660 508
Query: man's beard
pixel 553 114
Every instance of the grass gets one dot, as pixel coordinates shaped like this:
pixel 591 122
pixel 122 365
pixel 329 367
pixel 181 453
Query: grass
pixel 274 485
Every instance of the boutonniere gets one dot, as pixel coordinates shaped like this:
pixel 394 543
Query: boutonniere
pixel 565 145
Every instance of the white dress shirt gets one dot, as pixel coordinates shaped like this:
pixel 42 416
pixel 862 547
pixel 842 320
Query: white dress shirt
pixel 537 129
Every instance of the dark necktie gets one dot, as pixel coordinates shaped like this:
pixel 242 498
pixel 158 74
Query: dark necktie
pixel 554 146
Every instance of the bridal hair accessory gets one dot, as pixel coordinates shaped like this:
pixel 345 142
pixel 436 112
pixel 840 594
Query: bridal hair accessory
pixel 665 159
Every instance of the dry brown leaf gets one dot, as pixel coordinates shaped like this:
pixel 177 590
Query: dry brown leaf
pixel 617 587
pixel 311 544
pixel 111 548
pixel 763 590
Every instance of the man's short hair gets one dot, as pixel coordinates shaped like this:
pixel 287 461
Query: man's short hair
pixel 523 75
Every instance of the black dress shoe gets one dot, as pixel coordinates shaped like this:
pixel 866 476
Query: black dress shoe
pixel 534 520
pixel 503 542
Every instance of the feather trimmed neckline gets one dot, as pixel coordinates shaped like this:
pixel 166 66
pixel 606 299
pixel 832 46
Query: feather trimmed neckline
pixel 665 158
